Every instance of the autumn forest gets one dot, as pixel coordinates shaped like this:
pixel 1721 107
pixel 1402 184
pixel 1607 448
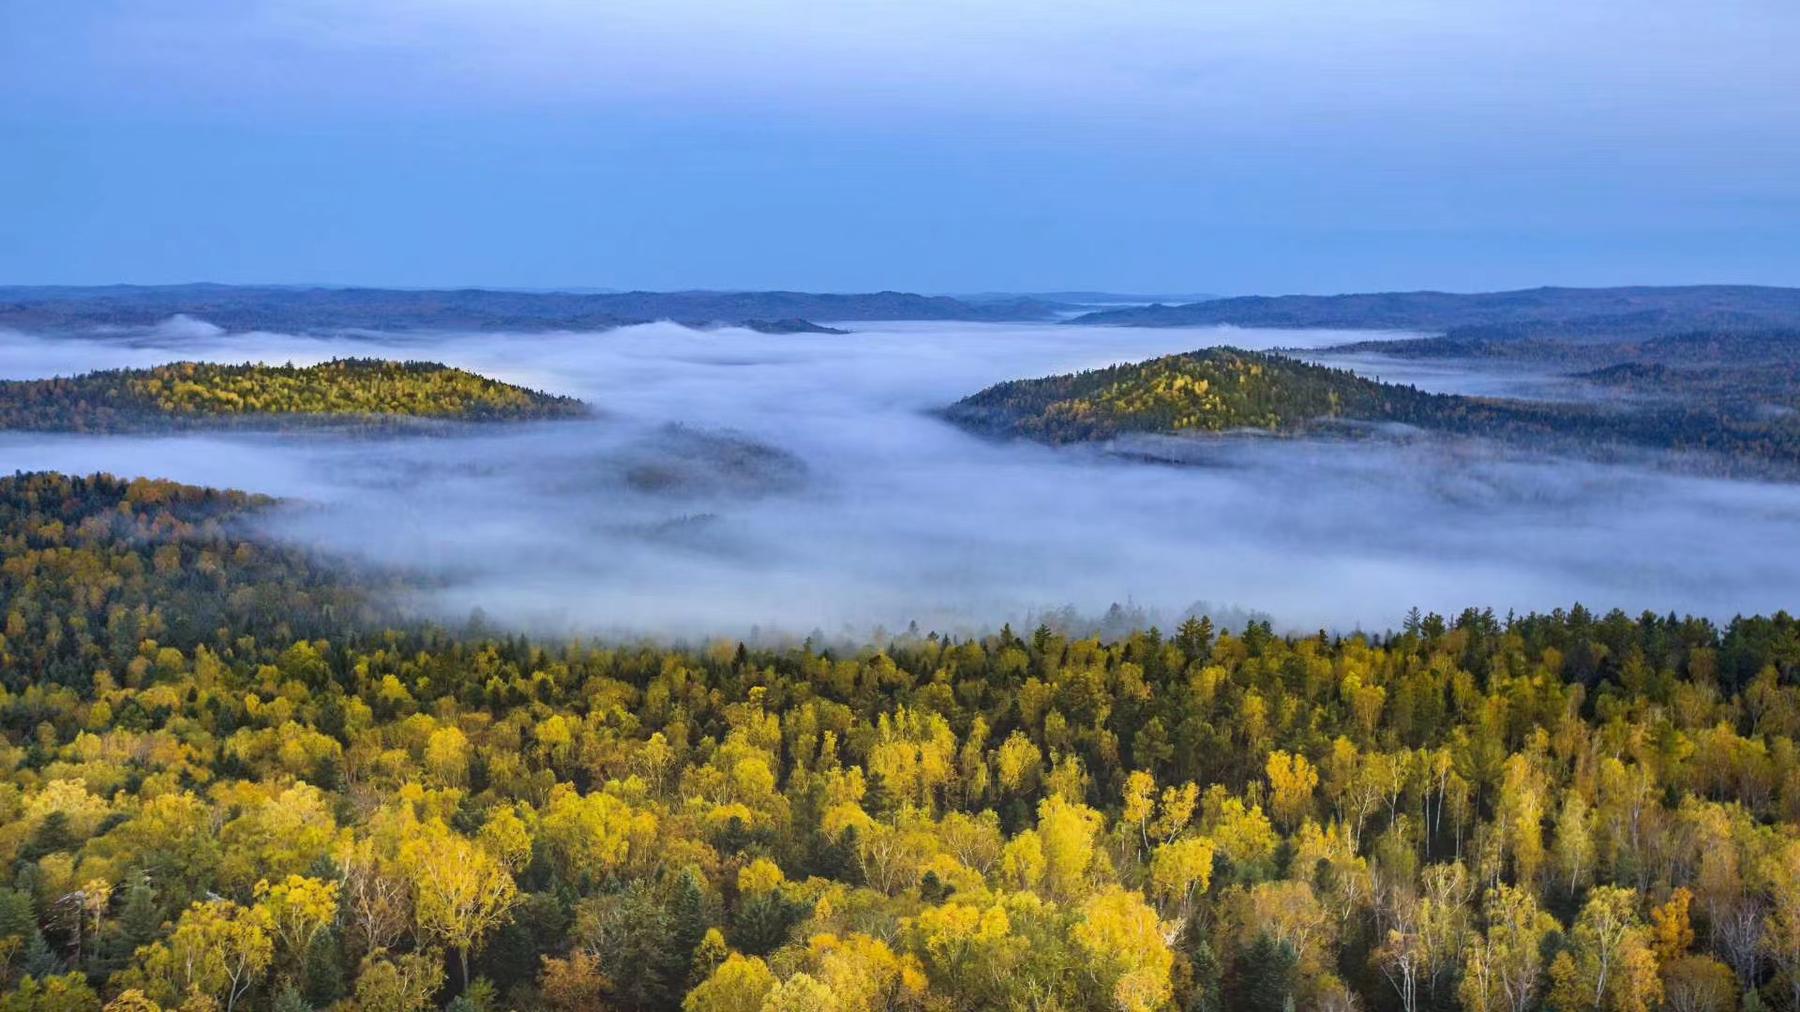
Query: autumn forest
pixel 234 780
pixel 899 506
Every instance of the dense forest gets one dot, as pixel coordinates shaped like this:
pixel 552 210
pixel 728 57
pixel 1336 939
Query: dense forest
pixel 191 394
pixel 1212 390
pixel 1219 390
pixel 232 779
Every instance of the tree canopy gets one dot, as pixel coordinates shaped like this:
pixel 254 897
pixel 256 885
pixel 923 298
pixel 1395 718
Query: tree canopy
pixel 232 779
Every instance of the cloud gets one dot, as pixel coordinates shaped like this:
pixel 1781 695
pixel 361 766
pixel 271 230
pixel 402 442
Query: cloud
pixel 805 484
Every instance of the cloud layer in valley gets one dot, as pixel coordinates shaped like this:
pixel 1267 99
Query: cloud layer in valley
pixel 738 480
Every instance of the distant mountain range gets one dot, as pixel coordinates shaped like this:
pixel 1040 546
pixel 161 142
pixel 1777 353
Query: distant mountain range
pixel 1572 314
pixel 1090 298
pixel 298 308
pixel 1568 315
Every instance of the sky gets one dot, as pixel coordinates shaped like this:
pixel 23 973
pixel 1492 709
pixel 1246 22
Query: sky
pixel 931 145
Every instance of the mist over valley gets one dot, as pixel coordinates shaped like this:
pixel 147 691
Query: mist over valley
pixel 732 480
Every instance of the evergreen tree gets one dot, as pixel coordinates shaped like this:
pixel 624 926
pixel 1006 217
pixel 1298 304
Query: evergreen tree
pixel 323 973
pixel 687 919
pixel 1266 977
pixel 1207 995
pixel 40 961
pixel 17 920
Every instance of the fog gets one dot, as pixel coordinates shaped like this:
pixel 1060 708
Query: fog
pixel 734 481
pixel 1471 378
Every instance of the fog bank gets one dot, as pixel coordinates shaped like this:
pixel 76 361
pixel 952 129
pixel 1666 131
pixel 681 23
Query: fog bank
pixel 737 480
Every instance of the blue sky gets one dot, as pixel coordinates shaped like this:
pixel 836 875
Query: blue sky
pixel 1269 146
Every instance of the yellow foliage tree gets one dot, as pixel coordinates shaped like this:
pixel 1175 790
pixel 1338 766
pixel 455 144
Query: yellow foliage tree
pixel 1124 940
pixel 1609 966
pixel 1066 833
pixel 297 909
pixel 1180 870
pixel 461 893
pixel 218 949
pixel 1291 783
pixel 737 985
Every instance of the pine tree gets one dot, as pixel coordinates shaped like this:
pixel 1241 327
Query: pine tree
pixel 1204 965
pixel 687 916
pixel 140 915
pixel 323 973
pixel 40 961
pixel 1266 978
pixel 1194 636
pixel 17 920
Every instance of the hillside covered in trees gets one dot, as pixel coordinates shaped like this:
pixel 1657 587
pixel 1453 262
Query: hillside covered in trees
pixel 1212 390
pixel 231 779
pixel 198 394
pixel 1220 390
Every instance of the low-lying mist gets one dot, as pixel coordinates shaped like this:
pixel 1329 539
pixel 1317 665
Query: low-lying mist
pixel 736 480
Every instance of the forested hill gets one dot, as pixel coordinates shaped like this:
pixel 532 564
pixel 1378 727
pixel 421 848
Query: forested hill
pixel 196 394
pixel 322 309
pixel 1214 390
pixel 224 786
pixel 1569 313
pixel 1221 390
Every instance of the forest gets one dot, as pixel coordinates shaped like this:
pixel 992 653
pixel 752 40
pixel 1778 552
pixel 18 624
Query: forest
pixel 1724 419
pixel 194 394
pixel 233 778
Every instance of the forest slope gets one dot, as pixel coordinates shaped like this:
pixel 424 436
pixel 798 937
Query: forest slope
pixel 1213 390
pixel 198 394
pixel 1221 390
pixel 226 784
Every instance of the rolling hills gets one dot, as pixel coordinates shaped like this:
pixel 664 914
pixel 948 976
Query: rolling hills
pixel 1573 314
pixel 312 309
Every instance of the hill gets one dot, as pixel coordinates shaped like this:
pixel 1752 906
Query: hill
pixel 1215 390
pixel 197 394
pixel 1574 314
pixel 322 309
pixel 1221 390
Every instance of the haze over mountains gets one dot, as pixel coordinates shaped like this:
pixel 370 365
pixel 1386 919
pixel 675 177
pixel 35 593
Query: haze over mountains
pixel 830 492
pixel 1580 314
pixel 300 308
pixel 1588 312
